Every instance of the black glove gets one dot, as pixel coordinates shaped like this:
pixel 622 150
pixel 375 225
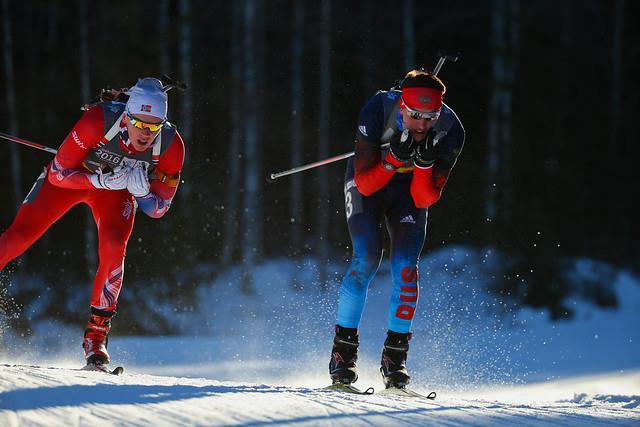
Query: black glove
pixel 403 148
pixel 426 151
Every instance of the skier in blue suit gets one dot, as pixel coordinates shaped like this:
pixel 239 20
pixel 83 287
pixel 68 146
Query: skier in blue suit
pixel 398 185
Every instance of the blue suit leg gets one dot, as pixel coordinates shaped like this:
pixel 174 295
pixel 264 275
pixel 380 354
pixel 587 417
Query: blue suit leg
pixel 407 228
pixel 366 237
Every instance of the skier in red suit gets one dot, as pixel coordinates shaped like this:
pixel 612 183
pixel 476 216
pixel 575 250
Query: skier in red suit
pixel 119 157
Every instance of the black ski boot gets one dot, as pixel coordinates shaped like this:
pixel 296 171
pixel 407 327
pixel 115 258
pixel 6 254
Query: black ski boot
pixel 96 337
pixel 342 366
pixel 394 359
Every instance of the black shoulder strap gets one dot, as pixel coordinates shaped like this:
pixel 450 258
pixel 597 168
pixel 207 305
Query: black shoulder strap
pixel 390 127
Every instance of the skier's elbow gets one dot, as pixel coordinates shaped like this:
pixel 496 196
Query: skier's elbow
pixel 363 188
pixel 55 174
pixel 425 200
pixel 154 214
pixel 153 206
pixel 365 192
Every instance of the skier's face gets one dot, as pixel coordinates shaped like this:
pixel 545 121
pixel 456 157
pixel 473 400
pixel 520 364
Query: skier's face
pixel 141 139
pixel 417 127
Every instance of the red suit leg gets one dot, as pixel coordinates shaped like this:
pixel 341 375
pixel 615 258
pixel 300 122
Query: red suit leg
pixel 114 214
pixel 44 206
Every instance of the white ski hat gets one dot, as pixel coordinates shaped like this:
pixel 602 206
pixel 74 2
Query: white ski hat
pixel 148 97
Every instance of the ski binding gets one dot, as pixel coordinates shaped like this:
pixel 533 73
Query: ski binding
pixel 99 367
pixel 348 388
pixel 403 391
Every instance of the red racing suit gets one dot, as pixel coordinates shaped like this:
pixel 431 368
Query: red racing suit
pixel 99 140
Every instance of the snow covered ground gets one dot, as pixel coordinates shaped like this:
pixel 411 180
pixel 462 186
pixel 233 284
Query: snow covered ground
pixel 60 397
pixel 262 359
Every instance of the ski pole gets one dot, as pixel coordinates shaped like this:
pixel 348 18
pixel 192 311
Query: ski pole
pixel 151 171
pixel 28 143
pixel 272 177
pixel 444 56
pixel 170 83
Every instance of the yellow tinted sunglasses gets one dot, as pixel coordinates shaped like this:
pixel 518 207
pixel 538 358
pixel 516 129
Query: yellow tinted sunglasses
pixel 153 127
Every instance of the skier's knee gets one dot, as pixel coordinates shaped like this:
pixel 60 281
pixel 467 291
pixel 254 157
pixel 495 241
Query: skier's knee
pixel 12 244
pixel 112 248
pixel 366 266
pixel 406 269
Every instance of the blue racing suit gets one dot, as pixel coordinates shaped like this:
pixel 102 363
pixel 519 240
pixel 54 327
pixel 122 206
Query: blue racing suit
pixel 379 121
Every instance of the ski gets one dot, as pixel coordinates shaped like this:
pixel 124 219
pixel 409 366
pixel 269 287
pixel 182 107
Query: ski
pixel 395 391
pixel 348 388
pixel 99 367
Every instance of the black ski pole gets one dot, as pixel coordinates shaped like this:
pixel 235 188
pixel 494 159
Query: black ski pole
pixel 171 83
pixel 444 56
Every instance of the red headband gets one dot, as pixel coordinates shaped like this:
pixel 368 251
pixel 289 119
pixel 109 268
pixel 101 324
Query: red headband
pixel 422 98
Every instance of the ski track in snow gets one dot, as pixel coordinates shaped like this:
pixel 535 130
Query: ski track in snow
pixel 489 369
pixel 49 396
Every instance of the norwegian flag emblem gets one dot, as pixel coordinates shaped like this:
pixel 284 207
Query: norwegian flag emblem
pixel 145 108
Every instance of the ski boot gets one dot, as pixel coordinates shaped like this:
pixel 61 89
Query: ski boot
pixel 394 359
pixel 96 337
pixel 342 366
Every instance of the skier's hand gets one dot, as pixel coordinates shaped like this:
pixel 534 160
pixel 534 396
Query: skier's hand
pixel 403 148
pixel 426 151
pixel 138 182
pixel 115 180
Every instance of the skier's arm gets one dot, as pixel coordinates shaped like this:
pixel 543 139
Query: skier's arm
pixel 429 180
pixel 371 171
pixel 164 181
pixel 66 169
pixel 427 184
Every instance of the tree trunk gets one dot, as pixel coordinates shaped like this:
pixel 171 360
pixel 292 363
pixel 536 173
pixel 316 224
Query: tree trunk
pixel 186 98
pixel 408 36
pixel 91 246
pixel 12 110
pixel 297 140
pixel 368 51
pixel 51 78
pixel 505 33
pixel 296 200
pixel 163 42
pixel 50 71
pixel 616 70
pixel 513 40
pixel 235 119
pixel 185 101
pixel 252 212
pixel 324 117
pixel 619 148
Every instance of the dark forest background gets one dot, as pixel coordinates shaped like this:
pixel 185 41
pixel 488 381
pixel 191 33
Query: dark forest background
pixel 547 92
